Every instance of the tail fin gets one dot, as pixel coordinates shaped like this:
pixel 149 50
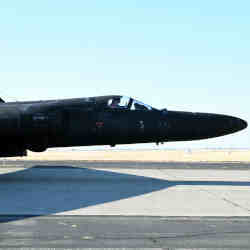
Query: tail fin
pixel 1 100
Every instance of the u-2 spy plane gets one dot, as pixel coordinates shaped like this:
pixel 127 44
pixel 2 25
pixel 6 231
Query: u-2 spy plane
pixel 104 120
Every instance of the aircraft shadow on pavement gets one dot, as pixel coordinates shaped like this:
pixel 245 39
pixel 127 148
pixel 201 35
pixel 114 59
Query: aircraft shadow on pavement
pixel 42 190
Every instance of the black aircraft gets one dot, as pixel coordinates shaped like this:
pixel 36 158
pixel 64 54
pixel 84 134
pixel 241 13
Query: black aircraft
pixel 104 120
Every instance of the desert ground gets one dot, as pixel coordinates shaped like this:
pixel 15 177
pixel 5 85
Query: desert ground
pixel 143 155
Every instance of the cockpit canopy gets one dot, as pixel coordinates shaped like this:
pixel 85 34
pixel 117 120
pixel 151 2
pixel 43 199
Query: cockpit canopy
pixel 124 102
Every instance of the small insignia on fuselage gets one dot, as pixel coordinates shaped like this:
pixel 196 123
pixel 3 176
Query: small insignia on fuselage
pixel 39 117
pixel 99 124
pixel 142 126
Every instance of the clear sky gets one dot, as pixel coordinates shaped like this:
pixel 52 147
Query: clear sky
pixel 183 55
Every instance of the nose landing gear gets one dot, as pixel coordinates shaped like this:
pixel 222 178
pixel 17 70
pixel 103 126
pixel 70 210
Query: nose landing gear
pixel 158 143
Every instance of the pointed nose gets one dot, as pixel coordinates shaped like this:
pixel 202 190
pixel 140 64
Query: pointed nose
pixel 237 124
pixel 229 124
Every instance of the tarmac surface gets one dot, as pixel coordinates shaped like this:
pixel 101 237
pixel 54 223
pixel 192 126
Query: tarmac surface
pixel 117 204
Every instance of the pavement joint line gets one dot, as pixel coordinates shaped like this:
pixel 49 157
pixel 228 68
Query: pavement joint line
pixel 226 200
pixel 221 198
pixel 236 204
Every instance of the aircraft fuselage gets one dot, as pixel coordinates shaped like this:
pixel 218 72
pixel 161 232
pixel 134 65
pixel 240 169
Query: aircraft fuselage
pixel 107 120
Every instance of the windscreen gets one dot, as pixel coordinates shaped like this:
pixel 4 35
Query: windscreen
pixel 124 102
pixel 136 105
pixel 119 102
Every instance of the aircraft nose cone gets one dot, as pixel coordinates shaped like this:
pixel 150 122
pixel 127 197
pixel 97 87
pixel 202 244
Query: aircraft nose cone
pixel 183 126
pixel 214 125
pixel 238 124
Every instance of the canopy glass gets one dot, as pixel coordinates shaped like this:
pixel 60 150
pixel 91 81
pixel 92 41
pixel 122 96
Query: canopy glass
pixel 124 102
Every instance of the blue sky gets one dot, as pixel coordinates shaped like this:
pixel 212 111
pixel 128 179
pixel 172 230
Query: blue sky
pixel 183 55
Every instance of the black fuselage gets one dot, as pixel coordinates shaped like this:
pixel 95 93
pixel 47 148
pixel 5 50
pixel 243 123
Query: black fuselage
pixel 92 121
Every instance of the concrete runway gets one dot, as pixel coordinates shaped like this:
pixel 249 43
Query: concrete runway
pixel 93 204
